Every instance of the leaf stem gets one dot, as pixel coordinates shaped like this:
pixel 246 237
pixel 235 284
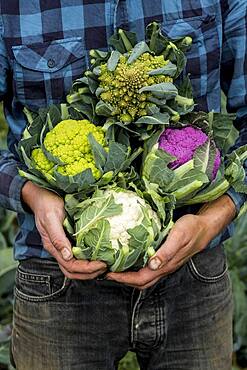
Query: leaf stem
pixel 127 43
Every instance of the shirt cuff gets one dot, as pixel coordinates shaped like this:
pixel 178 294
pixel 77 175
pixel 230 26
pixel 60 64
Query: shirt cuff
pixel 238 199
pixel 15 191
pixel 223 236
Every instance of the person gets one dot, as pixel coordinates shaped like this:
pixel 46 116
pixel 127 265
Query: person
pixel 175 313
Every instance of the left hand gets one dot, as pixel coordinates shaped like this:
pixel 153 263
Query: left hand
pixel 189 235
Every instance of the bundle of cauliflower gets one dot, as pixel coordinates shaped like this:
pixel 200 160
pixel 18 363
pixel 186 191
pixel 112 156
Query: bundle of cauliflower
pixel 120 210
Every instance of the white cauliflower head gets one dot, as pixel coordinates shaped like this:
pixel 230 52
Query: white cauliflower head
pixel 131 216
pixel 116 226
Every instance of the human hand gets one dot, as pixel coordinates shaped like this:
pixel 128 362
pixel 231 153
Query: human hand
pixel 48 209
pixel 189 235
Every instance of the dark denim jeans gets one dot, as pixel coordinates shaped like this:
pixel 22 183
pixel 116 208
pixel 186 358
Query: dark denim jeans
pixel 184 322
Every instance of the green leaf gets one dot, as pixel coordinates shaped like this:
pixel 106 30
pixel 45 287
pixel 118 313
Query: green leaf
pixel 99 91
pixel 158 102
pixel 92 84
pixel 234 170
pixel 177 57
pixel 104 109
pixel 88 110
pixel 204 158
pixel 183 43
pixel 36 179
pixel 155 168
pixel 99 210
pixel 117 155
pixel 98 239
pixel 74 114
pixel 48 154
pixel 169 70
pixel 120 259
pixel 26 146
pixel 210 193
pixel 240 153
pixel 163 90
pixel 71 184
pixel 137 51
pixel 36 127
pixel 156 119
pixel 155 200
pixel 99 153
pixel 81 253
pixel 185 88
pixel 123 41
pixel 181 171
pixel 3 241
pixel 96 53
pixel 30 115
pixel 224 132
pixel 192 181
pixel 53 116
pixel 239 187
pixel 98 57
pixel 126 164
pixel 113 60
pixel 154 138
pixel 156 41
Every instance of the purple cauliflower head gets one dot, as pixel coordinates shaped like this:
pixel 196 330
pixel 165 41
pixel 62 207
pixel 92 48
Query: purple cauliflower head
pixel 182 144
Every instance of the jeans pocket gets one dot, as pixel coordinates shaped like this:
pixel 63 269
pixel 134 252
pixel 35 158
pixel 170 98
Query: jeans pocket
pixel 34 282
pixel 209 265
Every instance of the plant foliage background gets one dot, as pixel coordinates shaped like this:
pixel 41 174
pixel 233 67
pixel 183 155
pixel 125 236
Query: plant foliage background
pixel 237 259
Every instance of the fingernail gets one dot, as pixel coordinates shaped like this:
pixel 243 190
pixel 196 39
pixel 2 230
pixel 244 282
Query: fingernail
pixel 154 263
pixel 66 254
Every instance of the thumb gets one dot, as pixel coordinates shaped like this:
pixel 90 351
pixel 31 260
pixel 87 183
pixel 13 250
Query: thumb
pixel 165 253
pixel 59 240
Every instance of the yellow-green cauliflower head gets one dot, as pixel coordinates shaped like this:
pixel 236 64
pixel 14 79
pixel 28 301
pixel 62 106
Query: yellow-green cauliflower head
pixel 68 142
pixel 42 162
pixel 123 84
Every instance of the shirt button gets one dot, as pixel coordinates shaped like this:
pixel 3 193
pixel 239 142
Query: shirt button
pixel 51 63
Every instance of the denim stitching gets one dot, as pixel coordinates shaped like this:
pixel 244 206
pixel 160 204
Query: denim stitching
pixel 19 294
pixel 133 318
pixel 205 278
pixel 26 276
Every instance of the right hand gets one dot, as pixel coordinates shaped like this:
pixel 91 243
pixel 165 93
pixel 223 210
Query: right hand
pixel 48 209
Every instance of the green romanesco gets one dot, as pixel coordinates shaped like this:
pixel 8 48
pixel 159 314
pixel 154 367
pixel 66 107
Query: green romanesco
pixel 42 163
pixel 68 142
pixel 121 87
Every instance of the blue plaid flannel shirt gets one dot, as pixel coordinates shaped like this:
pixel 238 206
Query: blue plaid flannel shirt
pixel 44 45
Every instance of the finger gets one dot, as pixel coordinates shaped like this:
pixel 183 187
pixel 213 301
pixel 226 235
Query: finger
pixel 138 279
pixel 57 237
pixel 76 266
pixel 150 284
pixel 145 286
pixel 174 265
pixel 167 252
pixel 81 276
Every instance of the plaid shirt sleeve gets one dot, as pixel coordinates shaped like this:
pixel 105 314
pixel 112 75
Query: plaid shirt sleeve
pixel 234 73
pixel 10 182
